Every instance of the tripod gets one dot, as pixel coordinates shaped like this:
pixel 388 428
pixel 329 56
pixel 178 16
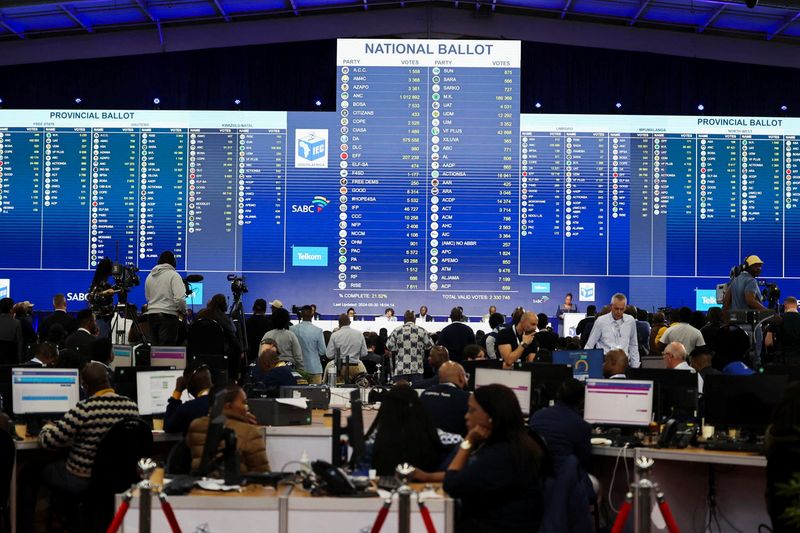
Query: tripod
pixel 146 468
pixel 119 335
pixel 639 498
pixel 404 493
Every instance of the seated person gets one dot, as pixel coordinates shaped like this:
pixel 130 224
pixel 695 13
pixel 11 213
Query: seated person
pixel 446 402
pixel 701 360
pixel 564 429
pixel 615 364
pixel 498 470
pixel 403 432
pixel 45 356
pixel 82 429
pixel 102 352
pixel 249 440
pixel 269 372
pixel 436 358
pixel 197 380
pixel 474 352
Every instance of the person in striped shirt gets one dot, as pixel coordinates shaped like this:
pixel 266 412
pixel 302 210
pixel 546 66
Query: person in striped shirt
pixel 82 429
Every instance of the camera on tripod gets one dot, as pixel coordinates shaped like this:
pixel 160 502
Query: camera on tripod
pixel 125 276
pixel 238 286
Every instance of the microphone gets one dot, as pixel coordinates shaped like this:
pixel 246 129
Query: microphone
pixel 194 278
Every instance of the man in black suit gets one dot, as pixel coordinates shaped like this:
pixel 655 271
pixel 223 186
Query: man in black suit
pixel 81 341
pixel 447 401
pixel 423 314
pixel 59 316
pixel 258 324
pixel 46 356
pixel 11 339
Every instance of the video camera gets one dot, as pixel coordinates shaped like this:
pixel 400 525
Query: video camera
pixel 125 276
pixel 238 285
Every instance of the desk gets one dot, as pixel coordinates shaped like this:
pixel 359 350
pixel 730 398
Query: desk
pixel 212 511
pixel 287 443
pixel 376 325
pixel 287 510
pixel 684 474
pixel 346 515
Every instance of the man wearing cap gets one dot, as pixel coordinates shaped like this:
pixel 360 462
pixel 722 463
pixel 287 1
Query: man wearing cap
pixel 743 291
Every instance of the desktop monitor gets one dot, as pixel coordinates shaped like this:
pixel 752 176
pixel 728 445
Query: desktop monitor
pixel 154 388
pixel 547 379
pixel 618 402
pixel 171 356
pixel 44 390
pixel 675 391
pixel 519 381
pixel 123 355
pixel 470 366
pixel 745 402
pixel 585 363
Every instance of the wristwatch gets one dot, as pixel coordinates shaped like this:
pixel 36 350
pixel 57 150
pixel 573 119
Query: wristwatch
pixel 465 445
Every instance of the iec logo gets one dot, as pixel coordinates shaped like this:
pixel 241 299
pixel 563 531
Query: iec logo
pixel 311 148
pixel 586 292
pixel 196 298
pixel 310 256
pixel 5 288
pixel 705 299
pixel 540 287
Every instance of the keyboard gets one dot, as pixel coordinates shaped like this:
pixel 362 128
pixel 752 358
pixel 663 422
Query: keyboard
pixel 734 446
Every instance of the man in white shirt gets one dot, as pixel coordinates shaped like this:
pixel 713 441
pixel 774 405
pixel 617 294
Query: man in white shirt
pixel 675 359
pixel 616 330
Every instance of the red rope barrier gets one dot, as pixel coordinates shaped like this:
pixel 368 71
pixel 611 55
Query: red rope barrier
pixel 426 516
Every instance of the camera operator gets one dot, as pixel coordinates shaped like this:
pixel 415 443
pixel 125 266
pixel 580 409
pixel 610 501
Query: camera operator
pixel 101 296
pixel 166 301
pixel 743 291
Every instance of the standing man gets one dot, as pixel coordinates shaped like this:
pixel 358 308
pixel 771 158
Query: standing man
pixel 682 332
pixel 258 324
pixel 59 316
pixel 348 346
pixel 616 330
pixel 10 333
pixel 456 335
pixel 518 342
pixel 409 343
pixel 743 291
pixel 166 301
pixel 81 341
pixel 312 343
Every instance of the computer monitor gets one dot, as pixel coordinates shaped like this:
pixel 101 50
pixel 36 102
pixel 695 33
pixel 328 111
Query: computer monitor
pixel 44 390
pixel 547 379
pixel 153 389
pixel 519 381
pixel 585 363
pixel 171 356
pixel 618 402
pixel 744 402
pixel 123 355
pixel 675 391
pixel 472 365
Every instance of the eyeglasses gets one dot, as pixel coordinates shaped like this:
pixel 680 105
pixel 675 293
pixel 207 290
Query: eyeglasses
pixel 467 375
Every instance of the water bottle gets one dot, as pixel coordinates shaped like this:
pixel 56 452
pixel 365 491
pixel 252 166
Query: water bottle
pixel 331 378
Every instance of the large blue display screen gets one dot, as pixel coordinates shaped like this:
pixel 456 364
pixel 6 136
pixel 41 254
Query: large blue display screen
pixel 426 187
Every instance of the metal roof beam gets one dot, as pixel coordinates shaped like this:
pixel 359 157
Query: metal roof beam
pixel 144 9
pixel 642 6
pixel 71 13
pixel 788 21
pixel 10 26
pixel 221 10
pixel 710 20
pixel 566 8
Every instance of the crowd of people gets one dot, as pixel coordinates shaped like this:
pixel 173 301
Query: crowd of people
pixel 501 467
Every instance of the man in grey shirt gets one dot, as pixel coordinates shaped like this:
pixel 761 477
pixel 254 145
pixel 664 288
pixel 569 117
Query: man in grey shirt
pixel 743 291
pixel 347 345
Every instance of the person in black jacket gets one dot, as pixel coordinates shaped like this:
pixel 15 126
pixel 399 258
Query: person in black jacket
pixel 269 373
pixel 45 356
pixel 782 448
pixel 457 335
pixel 497 471
pixel 446 401
pixel 81 341
pixel 59 316
pixel 197 380
pixel 11 351
pixel 258 324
